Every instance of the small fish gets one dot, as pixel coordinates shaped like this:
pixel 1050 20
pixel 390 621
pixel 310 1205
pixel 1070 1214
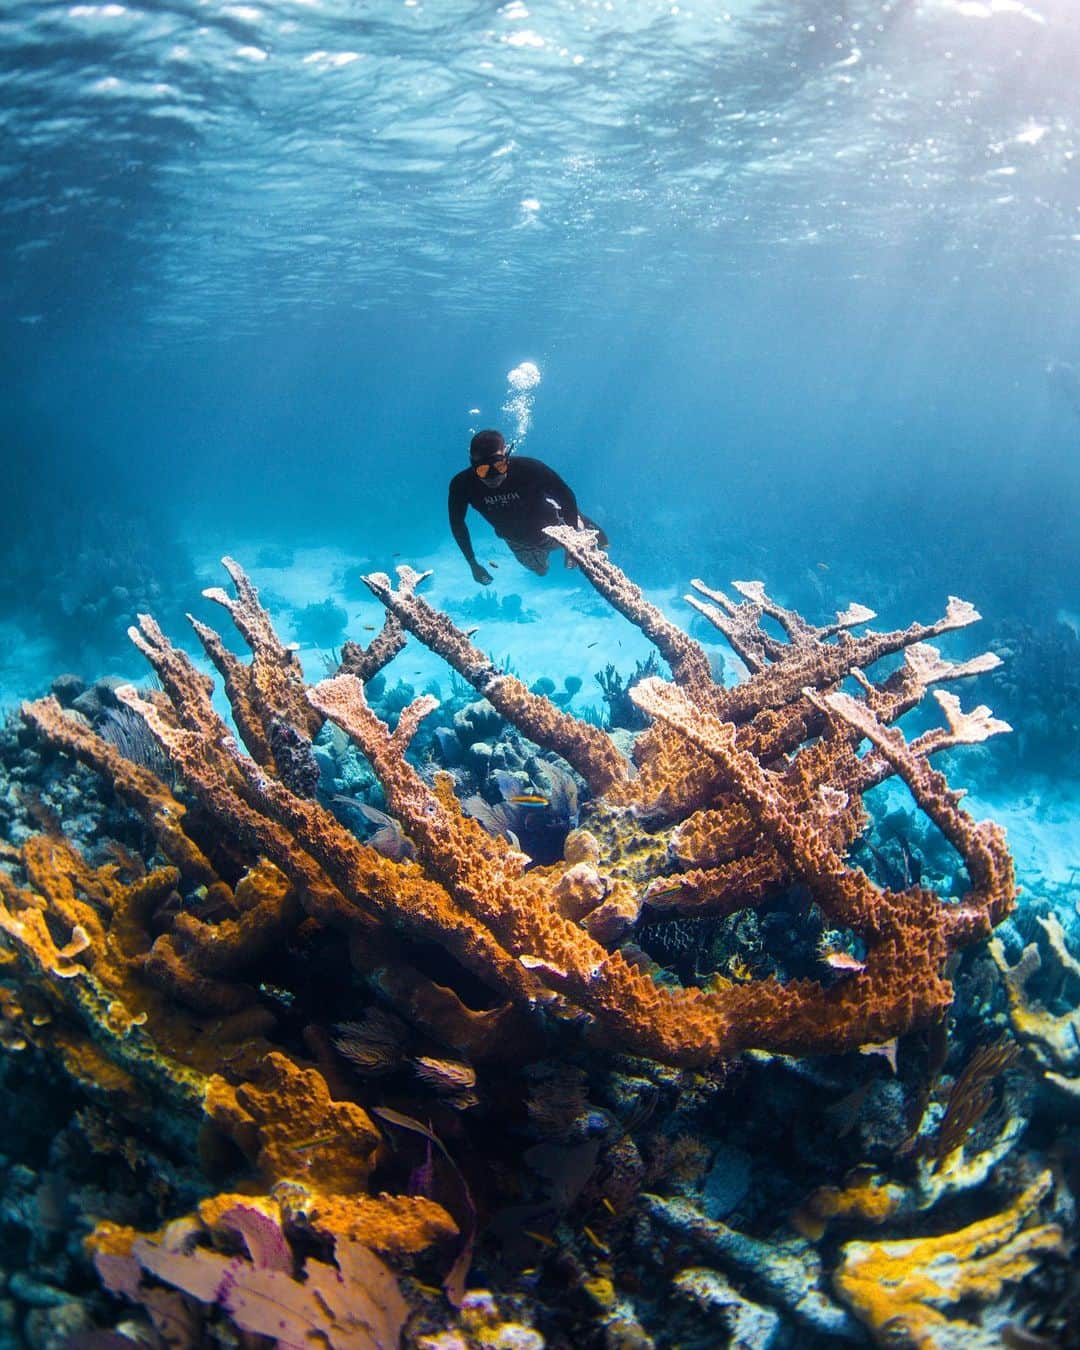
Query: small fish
pixel 445 1074
pixel 739 969
pixel 529 799
pixel 317 1142
pixel 887 1049
pixel 591 644
pixel 283 996
pixel 673 889
pixel 601 1246
pixel 492 563
pixel 841 960
pixel 823 567
pixel 608 1205
pixel 370 627
pixel 542 1238
pixel 470 631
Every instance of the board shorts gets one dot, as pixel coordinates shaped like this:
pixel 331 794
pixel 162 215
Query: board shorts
pixel 536 554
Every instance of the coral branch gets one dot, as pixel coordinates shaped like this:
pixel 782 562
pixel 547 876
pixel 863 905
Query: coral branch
pixel 706 794
pixel 687 659
pixel 583 746
pixel 982 846
pixel 145 793
pixel 817 664
pixel 365 662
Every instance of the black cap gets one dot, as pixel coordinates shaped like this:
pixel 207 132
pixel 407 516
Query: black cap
pixel 487 446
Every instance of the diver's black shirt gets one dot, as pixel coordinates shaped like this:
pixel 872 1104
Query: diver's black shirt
pixel 517 509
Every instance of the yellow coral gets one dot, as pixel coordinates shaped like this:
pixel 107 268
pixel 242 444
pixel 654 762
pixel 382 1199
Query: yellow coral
pixel 1054 1039
pixel 899 1288
pixel 865 1195
pixel 395 1225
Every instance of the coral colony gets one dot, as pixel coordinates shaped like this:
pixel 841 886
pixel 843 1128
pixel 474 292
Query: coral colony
pixel 381 1077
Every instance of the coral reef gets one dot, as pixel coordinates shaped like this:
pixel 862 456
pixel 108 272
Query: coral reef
pixel 84 573
pixel 900 1288
pixel 1048 1026
pixel 379 1038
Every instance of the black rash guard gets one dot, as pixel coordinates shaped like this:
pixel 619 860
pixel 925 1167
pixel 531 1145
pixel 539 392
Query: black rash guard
pixel 517 509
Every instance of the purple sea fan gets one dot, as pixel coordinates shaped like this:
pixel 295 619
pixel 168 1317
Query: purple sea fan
pixel 355 1305
pixel 262 1237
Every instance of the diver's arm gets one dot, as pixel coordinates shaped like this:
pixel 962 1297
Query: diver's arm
pixel 563 495
pixel 458 504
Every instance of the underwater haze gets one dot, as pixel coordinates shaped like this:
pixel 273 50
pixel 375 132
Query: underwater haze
pixel 786 290
pixel 801 272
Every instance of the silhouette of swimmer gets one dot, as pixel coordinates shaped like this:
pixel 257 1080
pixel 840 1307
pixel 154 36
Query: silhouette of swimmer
pixel 517 497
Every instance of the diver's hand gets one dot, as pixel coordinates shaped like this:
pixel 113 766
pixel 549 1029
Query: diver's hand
pixel 481 574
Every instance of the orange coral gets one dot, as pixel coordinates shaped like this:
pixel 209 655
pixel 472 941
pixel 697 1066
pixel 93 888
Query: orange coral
pixel 585 747
pixel 757 786
pixel 289 1127
pixel 733 795
pixel 272 684
pixel 145 793
pixel 687 658
pixel 396 1225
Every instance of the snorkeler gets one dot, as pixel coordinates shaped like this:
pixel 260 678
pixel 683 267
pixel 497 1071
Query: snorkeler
pixel 517 497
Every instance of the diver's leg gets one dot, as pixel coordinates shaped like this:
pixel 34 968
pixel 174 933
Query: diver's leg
pixel 532 556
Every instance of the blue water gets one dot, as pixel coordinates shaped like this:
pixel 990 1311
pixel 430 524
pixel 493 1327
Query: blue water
pixel 799 281
pixel 792 272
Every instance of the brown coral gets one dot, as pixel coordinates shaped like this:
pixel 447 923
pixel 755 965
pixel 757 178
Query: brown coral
pixel 754 787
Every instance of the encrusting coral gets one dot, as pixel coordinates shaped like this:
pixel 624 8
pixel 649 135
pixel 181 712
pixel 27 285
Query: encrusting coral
pixel 900 1289
pixel 732 796
pixel 1053 1038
